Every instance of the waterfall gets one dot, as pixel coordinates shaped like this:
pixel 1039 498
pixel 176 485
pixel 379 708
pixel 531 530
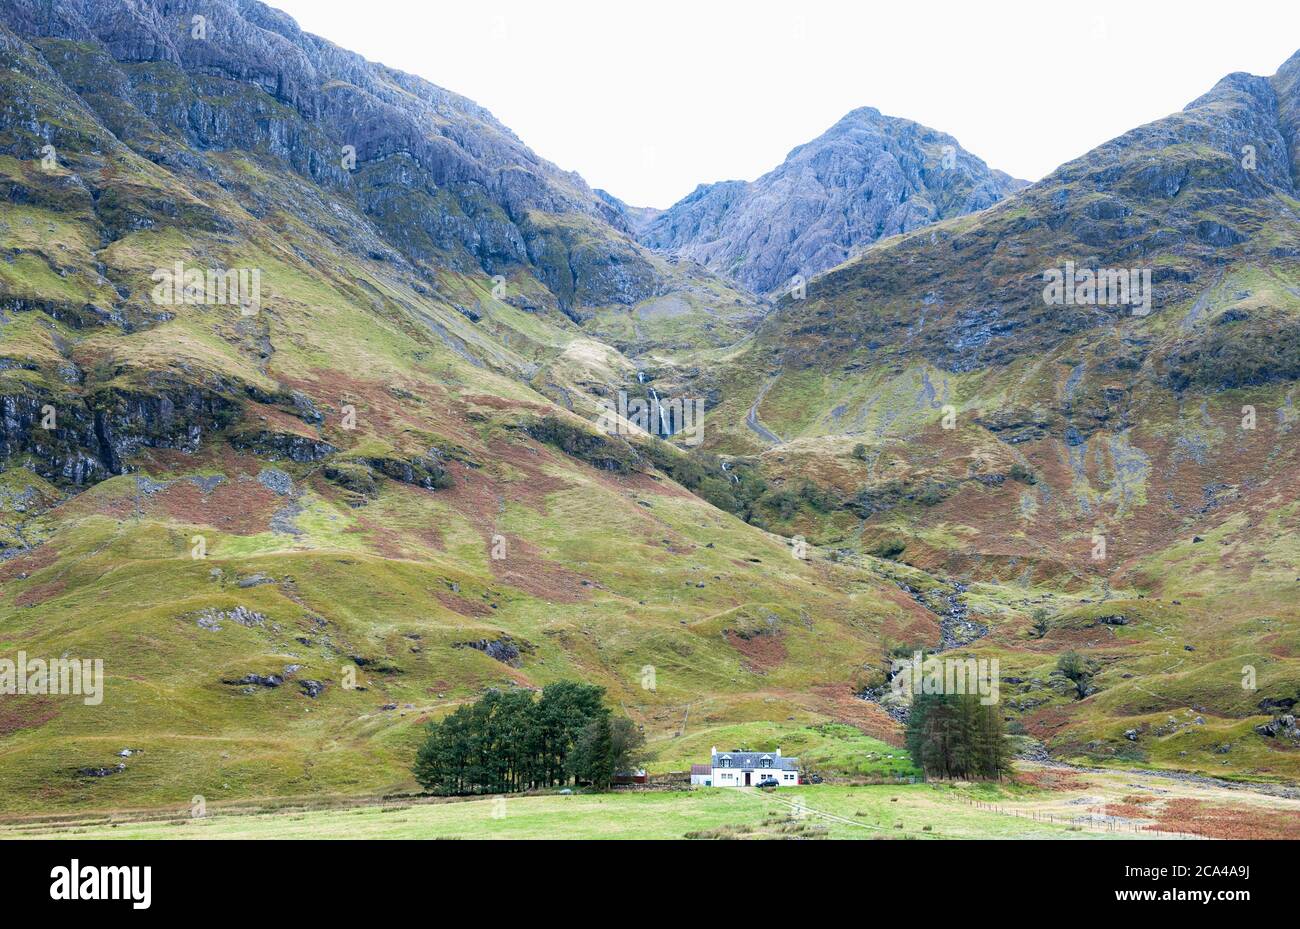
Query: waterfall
pixel 663 427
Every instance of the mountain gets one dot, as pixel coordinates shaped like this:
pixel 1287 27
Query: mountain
pixel 1128 465
pixel 438 183
pixel 308 452
pixel 322 483
pixel 868 177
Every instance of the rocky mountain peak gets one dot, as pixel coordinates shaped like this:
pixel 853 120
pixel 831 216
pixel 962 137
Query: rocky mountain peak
pixel 867 177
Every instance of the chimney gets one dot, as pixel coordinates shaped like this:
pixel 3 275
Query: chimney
pixel 715 750
pixel 778 751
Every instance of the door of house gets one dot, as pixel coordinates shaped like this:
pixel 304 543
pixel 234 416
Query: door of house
pixel 746 778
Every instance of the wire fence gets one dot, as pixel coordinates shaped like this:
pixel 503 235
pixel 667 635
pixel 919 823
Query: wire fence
pixel 1099 819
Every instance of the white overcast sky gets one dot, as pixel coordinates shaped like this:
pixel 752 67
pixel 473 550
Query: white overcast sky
pixel 648 99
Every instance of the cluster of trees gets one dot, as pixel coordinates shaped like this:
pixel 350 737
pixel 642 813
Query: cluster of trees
pixel 957 736
pixel 514 740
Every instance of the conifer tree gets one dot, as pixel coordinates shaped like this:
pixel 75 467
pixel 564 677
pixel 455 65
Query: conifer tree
pixel 513 741
pixel 957 736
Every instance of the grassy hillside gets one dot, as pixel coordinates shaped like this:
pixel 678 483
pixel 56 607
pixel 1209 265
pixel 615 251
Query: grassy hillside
pixel 240 509
pixel 925 404
pixel 297 530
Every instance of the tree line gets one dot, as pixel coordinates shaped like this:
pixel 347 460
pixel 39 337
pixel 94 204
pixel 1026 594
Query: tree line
pixel 511 741
pixel 957 736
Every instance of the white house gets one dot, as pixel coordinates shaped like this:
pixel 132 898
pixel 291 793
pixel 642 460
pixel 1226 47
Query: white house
pixel 746 769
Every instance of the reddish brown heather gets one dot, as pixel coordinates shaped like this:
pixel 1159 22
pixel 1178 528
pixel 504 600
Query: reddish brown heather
pixel 1051 779
pixel 762 652
pixel 1226 822
pixel 38 594
pixel 36 560
pixel 839 703
pixel 28 713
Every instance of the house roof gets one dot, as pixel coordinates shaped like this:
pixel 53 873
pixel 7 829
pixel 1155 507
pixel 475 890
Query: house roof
pixel 701 769
pixel 774 761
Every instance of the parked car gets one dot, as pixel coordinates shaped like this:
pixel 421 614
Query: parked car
pixel 768 782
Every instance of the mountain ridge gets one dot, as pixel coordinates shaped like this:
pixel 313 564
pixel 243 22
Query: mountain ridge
pixel 298 526
pixel 388 464
pixel 867 177
pixel 925 402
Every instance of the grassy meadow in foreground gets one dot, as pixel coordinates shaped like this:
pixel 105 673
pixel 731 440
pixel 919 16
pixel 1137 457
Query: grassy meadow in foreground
pixel 851 813
pixel 1042 803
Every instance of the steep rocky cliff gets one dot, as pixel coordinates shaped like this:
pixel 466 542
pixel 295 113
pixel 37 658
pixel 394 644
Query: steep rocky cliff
pixel 235 75
pixel 174 130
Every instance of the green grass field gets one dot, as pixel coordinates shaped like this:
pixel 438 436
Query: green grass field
pixel 1041 802
pixel 840 812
